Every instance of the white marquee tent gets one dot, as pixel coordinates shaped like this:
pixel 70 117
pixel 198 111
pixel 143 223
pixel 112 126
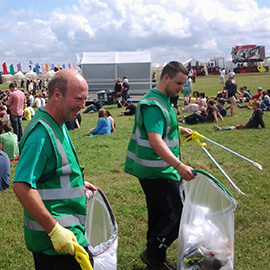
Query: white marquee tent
pixel 8 78
pixel 101 69
pixel 19 76
pixel 192 62
pixel 31 75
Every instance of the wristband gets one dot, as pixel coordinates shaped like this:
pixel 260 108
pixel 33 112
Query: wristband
pixel 178 164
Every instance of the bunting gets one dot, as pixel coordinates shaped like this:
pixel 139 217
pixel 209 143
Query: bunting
pixel 11 68
pixel 19 67
pixel 69 66
pixel 4 65
pixel 74 66
pixel 58 66
pixel 30 64
pixel 37 68
pixel 46 67
pixel 63 66
pixel 53 67
pixel 42 67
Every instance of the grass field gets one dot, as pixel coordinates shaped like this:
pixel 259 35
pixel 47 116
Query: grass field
pixel 103 158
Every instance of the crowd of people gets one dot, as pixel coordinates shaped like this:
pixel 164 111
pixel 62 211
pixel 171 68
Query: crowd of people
pixel 49 180
pixel 16 105
pixel 214 108
pixel 23 99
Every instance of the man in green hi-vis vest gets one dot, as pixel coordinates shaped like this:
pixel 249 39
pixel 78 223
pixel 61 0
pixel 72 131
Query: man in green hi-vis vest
pixel 153 156
pixel 48 179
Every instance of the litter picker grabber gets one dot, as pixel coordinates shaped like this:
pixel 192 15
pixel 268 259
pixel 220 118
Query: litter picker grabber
pixel 82 257
pixel 195 136
pixel 222 171
pixel 238 155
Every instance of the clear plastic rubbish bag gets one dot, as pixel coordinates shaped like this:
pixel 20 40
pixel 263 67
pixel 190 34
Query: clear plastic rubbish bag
pixel 101 232
pixel 206 234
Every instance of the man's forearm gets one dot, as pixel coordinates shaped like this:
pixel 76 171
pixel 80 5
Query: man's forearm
pixel 167 155
pixel 162 149
pixel 33 204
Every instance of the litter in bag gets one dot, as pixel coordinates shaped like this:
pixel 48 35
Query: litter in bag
pixel 206 234
pixel 101 232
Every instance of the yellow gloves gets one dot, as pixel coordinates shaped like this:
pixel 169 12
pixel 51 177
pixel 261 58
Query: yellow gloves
pixel 62 239
pixel 82 257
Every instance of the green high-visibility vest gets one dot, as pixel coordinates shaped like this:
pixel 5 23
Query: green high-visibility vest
pixel 142 160
pixel 63 194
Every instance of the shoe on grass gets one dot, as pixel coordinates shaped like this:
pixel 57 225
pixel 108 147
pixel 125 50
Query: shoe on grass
pixel 217 127
pixel 155 264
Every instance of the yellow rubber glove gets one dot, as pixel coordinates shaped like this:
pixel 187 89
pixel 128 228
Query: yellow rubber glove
pixel 62 239
pixel 82 257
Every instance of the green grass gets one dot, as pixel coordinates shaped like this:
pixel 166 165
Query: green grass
pixel 103 158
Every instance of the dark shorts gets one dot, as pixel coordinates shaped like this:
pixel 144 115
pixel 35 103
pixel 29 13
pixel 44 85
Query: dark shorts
pixel 57 262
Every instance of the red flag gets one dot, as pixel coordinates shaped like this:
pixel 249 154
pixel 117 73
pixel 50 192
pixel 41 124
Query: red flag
pixel 4 65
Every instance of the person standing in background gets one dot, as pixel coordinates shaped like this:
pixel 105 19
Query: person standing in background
pixel 194 75
pixel 222 77
pixel 231 90
pixel 117 92
pixel 125 88
pixel 16 102
pixel 187 91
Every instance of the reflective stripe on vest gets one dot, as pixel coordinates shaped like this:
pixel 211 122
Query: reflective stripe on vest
pixel 145 143
pixel 141 142
pixel 66 191
pixel 146 162
pixel 64 221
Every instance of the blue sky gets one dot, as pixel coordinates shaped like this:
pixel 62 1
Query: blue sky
pixel 263 3
pixel 55 31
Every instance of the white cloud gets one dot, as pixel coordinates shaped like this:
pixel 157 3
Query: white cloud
pixel 169 29
pixel 207 45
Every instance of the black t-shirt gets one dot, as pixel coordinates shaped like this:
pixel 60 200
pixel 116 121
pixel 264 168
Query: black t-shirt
pixel 132 109
pixel 256 119
pixel 117 87
pixel 98 105
pixel 231 87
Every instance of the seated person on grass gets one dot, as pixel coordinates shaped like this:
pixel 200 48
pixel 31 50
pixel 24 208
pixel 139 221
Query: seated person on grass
pixel 245 95
pixel 26 113
pixel 95 107
pixel 254 121
pixel 109 115
pixel 9 141
pixel 199 104
pixel 71 125
pixel 4 171
pixel 258 95
pixel 265 103
pixel 220 107
pixel 103 124
pixel 131 108
pixel 211 114
pixel 220 94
